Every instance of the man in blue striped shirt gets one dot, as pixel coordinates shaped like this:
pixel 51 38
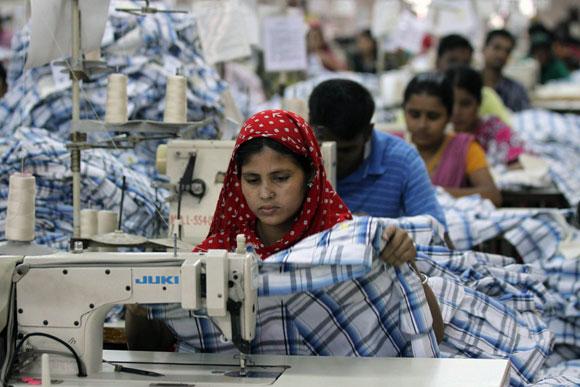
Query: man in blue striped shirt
pixel 377 174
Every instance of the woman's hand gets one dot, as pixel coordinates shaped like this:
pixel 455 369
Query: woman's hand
pixel 399 248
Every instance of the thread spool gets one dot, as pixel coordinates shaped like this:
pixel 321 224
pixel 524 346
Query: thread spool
pixel 20 214
pixel 106 223
pixel 116 99
pixel 175 100
pixel 89 224
pixel 45 370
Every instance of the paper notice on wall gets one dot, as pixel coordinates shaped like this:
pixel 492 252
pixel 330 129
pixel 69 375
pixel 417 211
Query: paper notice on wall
pixel 221 25
pixel 284 42
pixel 455 16
pixel 409 33
pixel 385 15
pixel 51 29
pixel 249 9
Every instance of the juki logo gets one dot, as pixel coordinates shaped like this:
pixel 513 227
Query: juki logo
pixel 158 280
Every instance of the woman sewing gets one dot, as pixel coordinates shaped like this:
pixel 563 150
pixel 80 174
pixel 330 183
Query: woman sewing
pixel 276 193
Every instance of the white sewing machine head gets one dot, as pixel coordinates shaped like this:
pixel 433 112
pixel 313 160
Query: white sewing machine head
pixel 66 296
pixel 201 165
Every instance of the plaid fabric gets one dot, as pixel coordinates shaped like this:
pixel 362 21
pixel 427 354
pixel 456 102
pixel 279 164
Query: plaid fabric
pixel 537 235
pixel 547 284
pixel 341 305
pixel 534 232
pixel 556 138
pixel 147 50
pixel 102 173
pixel 478 326
pixel 491 307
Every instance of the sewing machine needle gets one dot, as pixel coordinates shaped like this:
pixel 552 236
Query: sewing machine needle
pixel 243 364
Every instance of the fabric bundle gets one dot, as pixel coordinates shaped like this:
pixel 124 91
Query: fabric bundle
pixel 148 50
pixel 555 138
pixel 102 174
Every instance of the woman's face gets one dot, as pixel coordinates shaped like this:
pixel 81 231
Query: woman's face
pixel 426 118
pixel 465 110
pixel 274 186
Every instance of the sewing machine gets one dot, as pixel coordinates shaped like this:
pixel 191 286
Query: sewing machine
pixel 196 170
pixel 62 299
pixel 68 295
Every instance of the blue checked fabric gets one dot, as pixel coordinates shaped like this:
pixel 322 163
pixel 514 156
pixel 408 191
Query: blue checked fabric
pixel 492 308
pixel 556 138
pixel 147 50
pixel 312 303
pixel 49 161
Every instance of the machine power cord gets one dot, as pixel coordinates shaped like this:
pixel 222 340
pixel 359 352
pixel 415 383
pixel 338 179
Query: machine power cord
pixel 81 369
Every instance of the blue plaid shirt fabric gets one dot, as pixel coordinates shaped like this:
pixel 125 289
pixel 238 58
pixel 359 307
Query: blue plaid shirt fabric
pixel 548 283
pixel 327 295
pixel 556 138
pixel 48 160
pixel 147 50
pixel 513 94
pixel 492 308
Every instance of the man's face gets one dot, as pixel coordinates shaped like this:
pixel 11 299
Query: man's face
pixel 349 153
pixel 497 52
pixel 453 58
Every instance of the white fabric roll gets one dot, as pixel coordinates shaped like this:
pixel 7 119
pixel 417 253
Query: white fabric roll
pixel 116 109
pixel 175 100
pixel 20 213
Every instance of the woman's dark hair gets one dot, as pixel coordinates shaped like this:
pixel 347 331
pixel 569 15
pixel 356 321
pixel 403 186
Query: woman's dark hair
pixel 467 79
pixel 433 84
pixel 249 148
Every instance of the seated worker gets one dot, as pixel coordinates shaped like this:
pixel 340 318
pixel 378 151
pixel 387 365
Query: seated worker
pixel 364 59
pixel 276 193
pixel 552 68
pixel 496 52
pixel 501 146
pixel 377 174
pixel 455 162
pixel 321 56
pixel 455 50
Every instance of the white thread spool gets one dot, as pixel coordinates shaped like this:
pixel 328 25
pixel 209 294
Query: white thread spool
pixel 175 100
pixel 116 99
pixel 107 222
pixel 45 370
pixel 89 224
pixel 20 214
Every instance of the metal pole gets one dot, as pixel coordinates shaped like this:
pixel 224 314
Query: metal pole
pixel 76 113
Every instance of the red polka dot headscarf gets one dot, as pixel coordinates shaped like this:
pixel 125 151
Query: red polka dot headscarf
pixel 322 207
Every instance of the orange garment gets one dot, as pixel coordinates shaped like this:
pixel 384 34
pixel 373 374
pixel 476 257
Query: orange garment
pixel 474 160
